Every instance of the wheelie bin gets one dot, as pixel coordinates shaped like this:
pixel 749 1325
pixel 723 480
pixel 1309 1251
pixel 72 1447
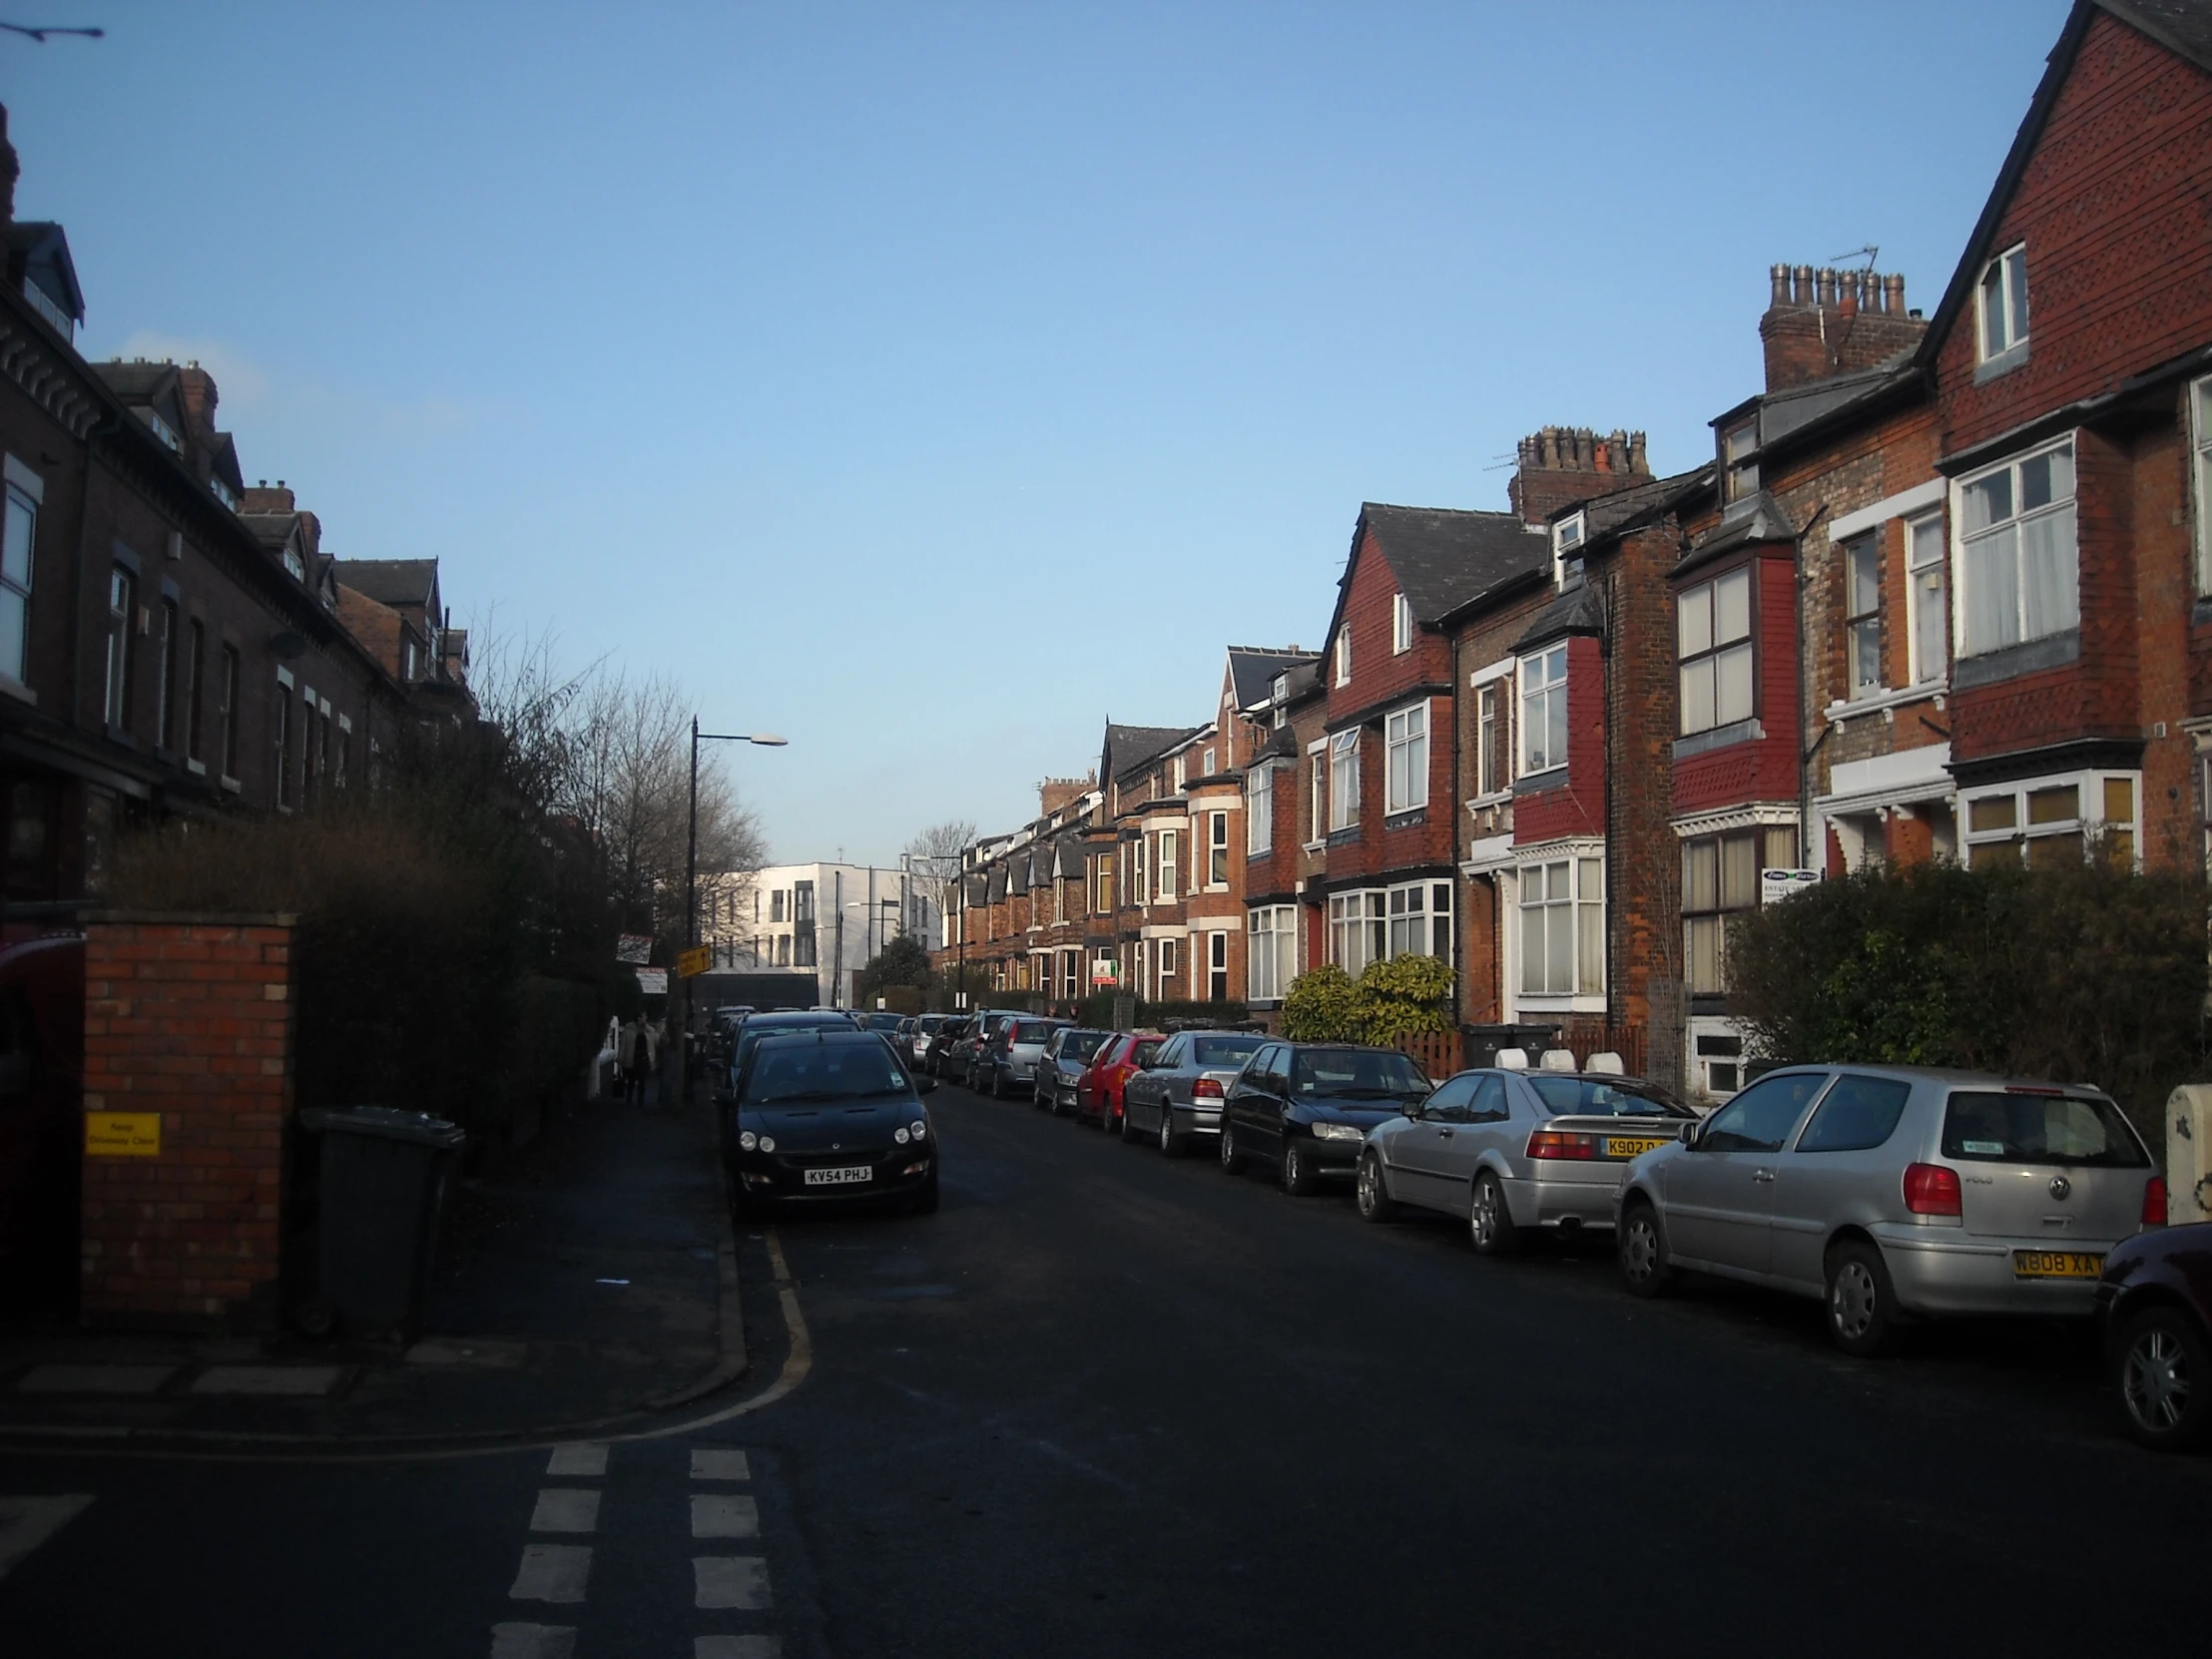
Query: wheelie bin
pixel 384 1178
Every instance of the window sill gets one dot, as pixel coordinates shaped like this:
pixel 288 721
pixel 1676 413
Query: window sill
pixel 1537 782
pixel 1886 701
pixel 1411 818
pixel 1718 737
pixel 1484 803
pixel 199 769
pixel 1999 366
pixel 1313 847
pixel 230 784
pixel 1344 837
pixel 12 686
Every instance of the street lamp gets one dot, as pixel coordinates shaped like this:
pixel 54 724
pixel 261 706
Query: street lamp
pixel 765 740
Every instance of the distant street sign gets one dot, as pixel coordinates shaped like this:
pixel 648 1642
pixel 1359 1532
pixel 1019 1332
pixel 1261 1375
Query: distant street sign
pixel 698 960
pixel 634 947
pixel 653 981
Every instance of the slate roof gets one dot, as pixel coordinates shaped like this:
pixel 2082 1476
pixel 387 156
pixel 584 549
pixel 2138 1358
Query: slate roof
pixel 2183 26
pixel 391 581
pixel 1253 668
pixel 1761 518
pixel 1607 514
pixel 1443 557
pixel 1130 747
pixel 1578 611
pixel 273 530
pixel 1070 857
pixel 42 243
pixel 134 382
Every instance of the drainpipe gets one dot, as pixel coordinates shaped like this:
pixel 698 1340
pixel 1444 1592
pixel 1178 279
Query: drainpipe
pixel 73 640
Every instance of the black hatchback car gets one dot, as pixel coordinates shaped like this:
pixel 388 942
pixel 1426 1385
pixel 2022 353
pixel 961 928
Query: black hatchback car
pixel 827 1117
pixel 781 1024
pixel 1307 1108
pixel 2154 1307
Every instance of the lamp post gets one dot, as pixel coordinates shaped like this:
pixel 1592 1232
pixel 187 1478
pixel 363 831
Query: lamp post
pixel 766 739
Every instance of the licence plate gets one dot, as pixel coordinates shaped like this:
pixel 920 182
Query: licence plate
pixel 2057 1264
pixel 1622 1146
pixel 849 1175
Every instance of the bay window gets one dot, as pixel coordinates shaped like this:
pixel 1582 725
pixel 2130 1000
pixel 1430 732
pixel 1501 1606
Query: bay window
pixel 1544 680
pixel 1562 914
pixel 1720 877
pixel 1259 813
pixel 1713 642
pixel 2019 570
pixel 1419 914
pixel 1271 953
pixel 1406 760
pixel 1357 931
pixel 2046 819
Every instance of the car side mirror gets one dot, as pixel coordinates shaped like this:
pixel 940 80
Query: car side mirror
pixel 925 1084
pixel 1690 1133
pixel 1412 1108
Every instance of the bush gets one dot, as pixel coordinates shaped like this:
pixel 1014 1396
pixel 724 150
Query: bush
pixel 1401 998
pixel 2076 971
pixel 1323 1006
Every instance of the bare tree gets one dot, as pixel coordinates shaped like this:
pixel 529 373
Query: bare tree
pixel 933 859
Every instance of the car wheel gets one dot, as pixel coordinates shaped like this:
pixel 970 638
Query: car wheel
pixel 1641 1251
pixel 1371 1194
pixel 1231 1161
pixel 1298 1167
pixel 2162 1379
pixel 1861 1306
pixel 1489 1221
pixel 1170 1144
pixel 991 1087
pixel 1128 1126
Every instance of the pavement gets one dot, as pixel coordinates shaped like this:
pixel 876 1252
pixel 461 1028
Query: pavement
pixel 1105 1403
pixel 592 1279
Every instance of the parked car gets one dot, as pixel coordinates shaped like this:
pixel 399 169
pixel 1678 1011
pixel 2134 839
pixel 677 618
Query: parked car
pixel 1894 1193
pixel 42 1058
pixel 888 1026
pixel 927 1028
pixel 946 1039
pixel 1066 1057
pixel 982 1024
pixel 1098 1092
pixel 782 1023
pixel 1008 1060
pixel 1514 1152
pixel 1180 1093
pixel 1307 1108
pixel 828 1116
pixel 2154 1314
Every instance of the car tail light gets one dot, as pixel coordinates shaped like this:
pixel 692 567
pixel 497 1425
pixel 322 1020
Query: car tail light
pixel 1206 1088
pixel 1932 1190
pixel 1553 1142
pixel 2155 1202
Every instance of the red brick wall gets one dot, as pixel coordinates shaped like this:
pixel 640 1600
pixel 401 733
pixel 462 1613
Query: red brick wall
pixel 2112 209
pixel 1764 768
pixel 191 1018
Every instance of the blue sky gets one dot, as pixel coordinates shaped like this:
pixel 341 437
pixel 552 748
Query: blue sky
pixel 930 382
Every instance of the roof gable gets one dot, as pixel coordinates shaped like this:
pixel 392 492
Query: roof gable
pixel 1443 557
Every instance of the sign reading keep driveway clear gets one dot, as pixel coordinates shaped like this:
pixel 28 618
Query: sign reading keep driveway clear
pixel 122 1134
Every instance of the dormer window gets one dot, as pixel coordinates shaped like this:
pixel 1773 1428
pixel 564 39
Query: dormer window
pixel 1566 552
pixel 295 563
pixel 1280 696
pixel 1739 471
pixel 1401 625
pixel 224 493
pixel 165 433
pixel 2002 302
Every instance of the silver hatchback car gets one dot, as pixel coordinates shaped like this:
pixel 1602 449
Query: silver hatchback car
pixel 1513 1152
pixel 1894 1193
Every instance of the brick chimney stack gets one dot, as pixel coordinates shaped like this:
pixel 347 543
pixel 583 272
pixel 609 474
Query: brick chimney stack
pixel 1561 465
pixel 1823 323
pixel 1055 792
pixel 196 388
pixel 259 498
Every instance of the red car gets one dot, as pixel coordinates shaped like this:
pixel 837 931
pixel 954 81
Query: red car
pixel 1120 1057
pixel 42 1060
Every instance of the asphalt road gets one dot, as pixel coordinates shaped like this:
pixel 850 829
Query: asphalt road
pixel 1106 1404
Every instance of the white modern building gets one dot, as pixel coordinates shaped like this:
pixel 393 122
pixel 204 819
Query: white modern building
pixel 827 919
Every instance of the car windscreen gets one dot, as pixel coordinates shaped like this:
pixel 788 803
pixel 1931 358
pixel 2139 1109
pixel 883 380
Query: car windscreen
pixel 1032 1031
pixel 1224 1051
pixel 753 1033
pixel 822 1071
pixel 1081 1045
pixel 880 1022
pixel 1357 1074
pixel 2038 1129
pixel 1596 1098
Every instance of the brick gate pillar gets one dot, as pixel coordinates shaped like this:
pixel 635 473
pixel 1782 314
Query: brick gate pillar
pixel 188 1102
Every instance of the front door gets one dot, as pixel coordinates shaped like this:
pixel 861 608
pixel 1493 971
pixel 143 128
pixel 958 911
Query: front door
pixel 1416 1150
pixel 1720 1191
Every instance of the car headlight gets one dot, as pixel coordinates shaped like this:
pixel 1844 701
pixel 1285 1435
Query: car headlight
pixel 768 1143
pixel 749 1140
pixel 1338 1132
pixel 920 1129
pixel 900 1136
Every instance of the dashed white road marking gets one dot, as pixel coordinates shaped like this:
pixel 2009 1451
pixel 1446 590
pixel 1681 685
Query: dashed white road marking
pixel 532 1642
pixel 27 1522
pixel 720 1465
pixel 552 1572
pixel 583 1458
pixel 730 1581
pixel 737 1647
pixel 565 1509
pixel 723 1515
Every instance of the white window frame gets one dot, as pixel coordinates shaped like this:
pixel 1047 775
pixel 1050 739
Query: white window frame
pixel 1140 885
pixel 1344 780
pixel 1164 870
pixel 1217 851
pixel 1862 673
pixel 2011 269
pixel 2090 816
pixel 1405 759
pixel 1317 794
pixel 1206 763
pixel 1270 952
pixel 122 630
pixel 1417 915
pixel 1163 968
pixel 1493 762
pixel 1702 651
pixel 1180 760
pixel 1401 625
pixel 18 566
pixel 1581 901
pixel 2200 442
pixel 2018 522
pixel 1217 961
pixel 1739 462
pixel 1343 649
pixel 1358 928
pixel 1567 557
pixel 1260 812
pixel 1544 707
pixel 1927 580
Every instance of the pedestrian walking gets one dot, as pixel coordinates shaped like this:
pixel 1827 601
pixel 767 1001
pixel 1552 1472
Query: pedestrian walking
pixel 634 1053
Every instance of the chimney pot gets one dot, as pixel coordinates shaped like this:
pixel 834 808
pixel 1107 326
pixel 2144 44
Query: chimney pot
pixel 1823 287
pixel 1801 286
pixel 1779 277
pixel 1893 292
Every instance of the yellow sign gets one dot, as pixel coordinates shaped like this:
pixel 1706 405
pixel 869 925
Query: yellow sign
pixel 698 960
pixel 122 1134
